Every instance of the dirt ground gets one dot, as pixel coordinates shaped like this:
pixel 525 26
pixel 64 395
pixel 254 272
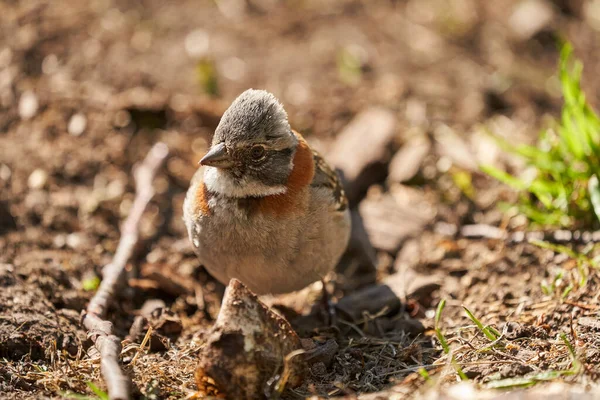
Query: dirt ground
pixel 87 87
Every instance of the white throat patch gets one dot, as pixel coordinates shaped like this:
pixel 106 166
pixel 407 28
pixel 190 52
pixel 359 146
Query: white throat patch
pixel 219 182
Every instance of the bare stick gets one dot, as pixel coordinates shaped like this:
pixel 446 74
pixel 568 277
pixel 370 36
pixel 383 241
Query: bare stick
pixel 99 330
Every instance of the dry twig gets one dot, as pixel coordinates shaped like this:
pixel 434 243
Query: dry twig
pixel 99 330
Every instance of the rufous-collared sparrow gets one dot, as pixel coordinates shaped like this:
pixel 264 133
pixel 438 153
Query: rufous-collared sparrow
pixel 264 207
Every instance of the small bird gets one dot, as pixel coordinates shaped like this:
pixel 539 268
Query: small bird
pixel 264 207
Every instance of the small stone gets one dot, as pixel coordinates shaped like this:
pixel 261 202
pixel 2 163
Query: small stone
pixel 28 105
pixel 74 240
pixel 37 179
pixel 591 12
pixel 50 64
pixel 77 124
pixel 59 241
pixel 197 43
pixel 5 172
pixel 530 17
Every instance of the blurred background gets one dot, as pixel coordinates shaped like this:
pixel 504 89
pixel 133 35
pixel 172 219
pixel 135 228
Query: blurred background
pixel 86 87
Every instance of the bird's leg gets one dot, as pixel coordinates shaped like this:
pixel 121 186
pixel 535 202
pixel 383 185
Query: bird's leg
pixel 328 306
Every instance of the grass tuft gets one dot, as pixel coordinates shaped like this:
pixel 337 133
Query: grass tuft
pixel 206 76
pixel 563 190
pixel 564 281
pixel 444 342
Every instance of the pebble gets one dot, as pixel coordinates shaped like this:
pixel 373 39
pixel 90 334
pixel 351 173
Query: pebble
pixel 74 240
pixel 28 105
pixel 197 43
pixel 77 124
pixel 530 17
pixel 5 172
pixel 37 179
pixel 59 241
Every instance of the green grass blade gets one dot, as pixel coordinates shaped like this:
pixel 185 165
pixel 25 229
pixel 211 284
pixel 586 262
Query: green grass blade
pixel 444 343
pixel 576 365
pixel 504 177
pixel 525 381
pixel 438 331
pixel 594 192
pixel 99 392
pixel 438 312
pixel 487 332
pixel 424 374
pixel 557 248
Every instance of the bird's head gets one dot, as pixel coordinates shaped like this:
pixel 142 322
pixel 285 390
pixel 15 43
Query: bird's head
pixel 252 150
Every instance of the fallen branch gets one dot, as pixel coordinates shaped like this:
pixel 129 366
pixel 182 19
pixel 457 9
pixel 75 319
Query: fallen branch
pixel 99 330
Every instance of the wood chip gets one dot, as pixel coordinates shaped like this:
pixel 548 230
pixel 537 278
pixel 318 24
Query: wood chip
pixel 362 150
pixel 451 145
pixel 390 293
pixel 391 219
pixel 407 162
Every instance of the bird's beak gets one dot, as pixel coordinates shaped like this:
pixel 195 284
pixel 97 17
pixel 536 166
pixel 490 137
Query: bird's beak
pixel 217 157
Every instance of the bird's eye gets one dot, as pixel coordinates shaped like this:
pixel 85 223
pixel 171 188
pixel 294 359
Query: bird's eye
pixel 257 152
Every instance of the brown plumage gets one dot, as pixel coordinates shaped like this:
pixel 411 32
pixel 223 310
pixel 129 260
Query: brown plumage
pixel 264 207
pixel 301 176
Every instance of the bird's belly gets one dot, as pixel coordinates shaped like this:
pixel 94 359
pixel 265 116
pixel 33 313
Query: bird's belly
pixel 266 258
pixel 260 275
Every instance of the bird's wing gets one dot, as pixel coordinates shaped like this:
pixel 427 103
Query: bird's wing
pixel 325 176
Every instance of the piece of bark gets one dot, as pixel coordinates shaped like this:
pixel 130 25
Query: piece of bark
pixel 391 219
pixel 363 149
pixel 390 293
pixel 246 348
pixel 407 162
